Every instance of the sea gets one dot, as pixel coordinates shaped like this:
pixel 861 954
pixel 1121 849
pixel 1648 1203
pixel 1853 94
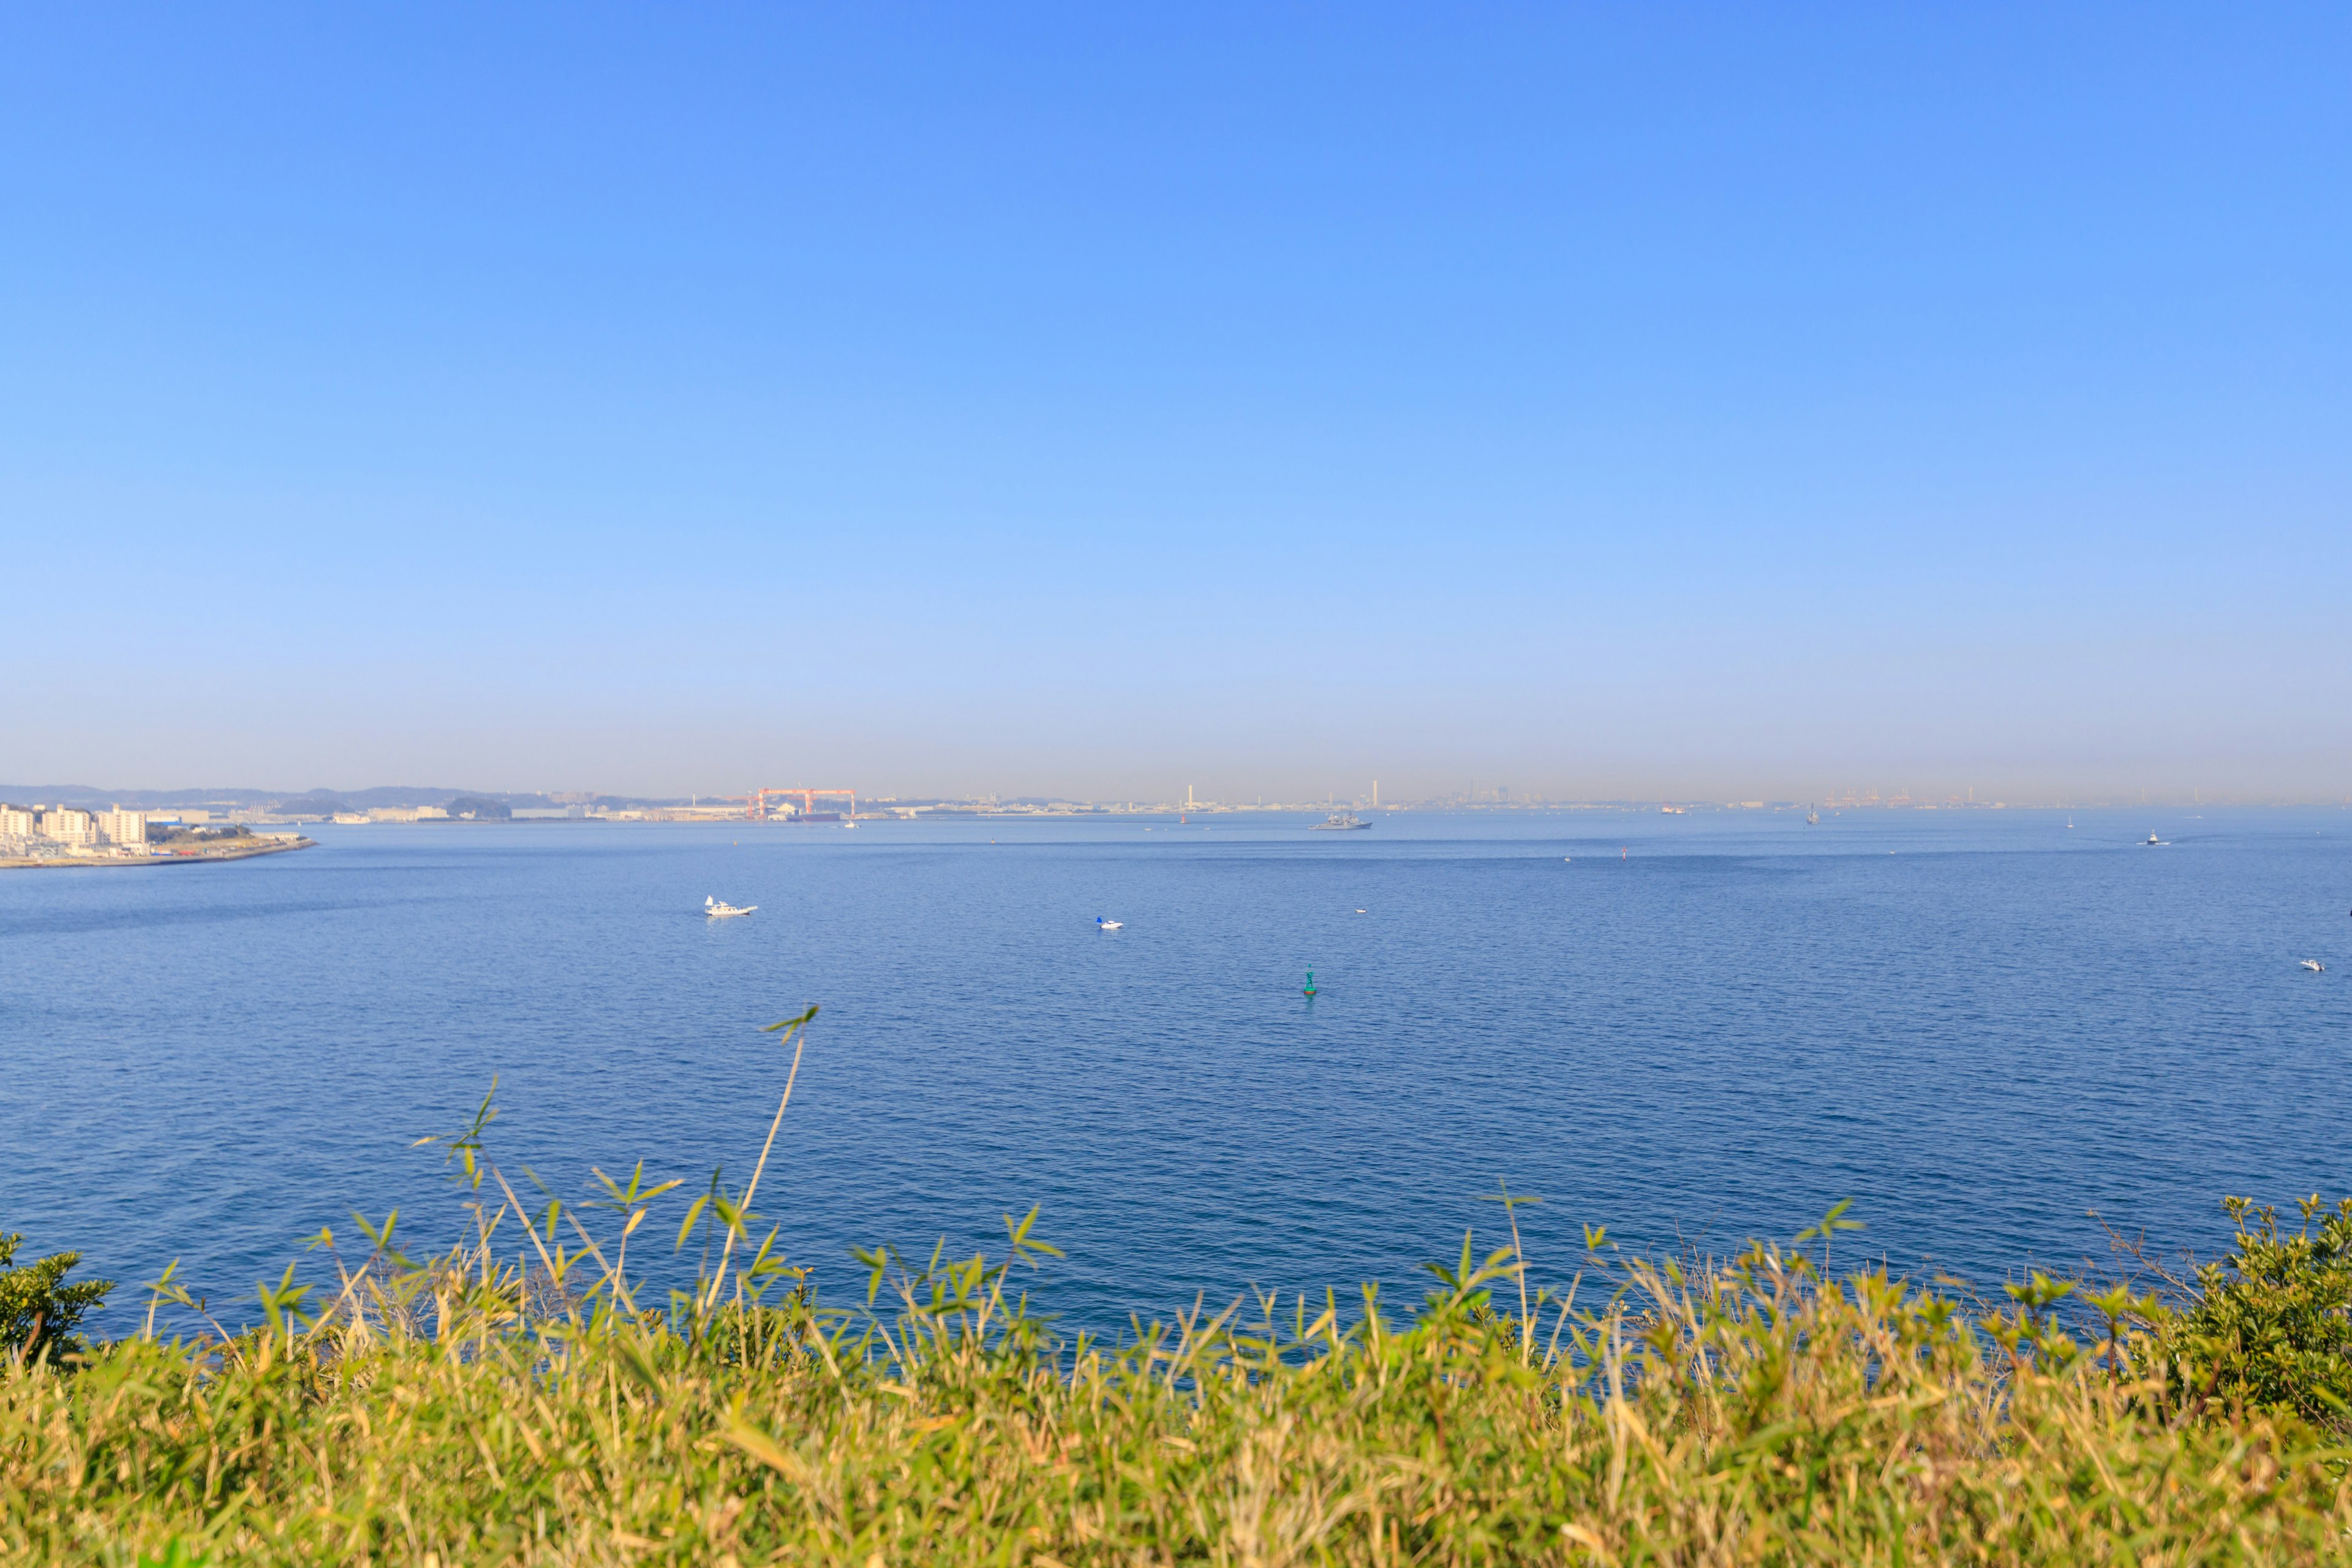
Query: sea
pixel 2007 1037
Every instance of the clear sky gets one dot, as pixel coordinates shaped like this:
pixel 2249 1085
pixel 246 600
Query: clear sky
pixel 1614 400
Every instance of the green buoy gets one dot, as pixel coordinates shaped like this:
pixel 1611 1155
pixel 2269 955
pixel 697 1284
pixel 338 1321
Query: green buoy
pixel 1310 983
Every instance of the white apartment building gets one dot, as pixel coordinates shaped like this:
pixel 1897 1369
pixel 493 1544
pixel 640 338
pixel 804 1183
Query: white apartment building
pixel 16 823
pixel 68 826
pixel 127 828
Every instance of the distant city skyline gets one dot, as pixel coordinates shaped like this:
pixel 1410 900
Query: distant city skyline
pixel 1622 403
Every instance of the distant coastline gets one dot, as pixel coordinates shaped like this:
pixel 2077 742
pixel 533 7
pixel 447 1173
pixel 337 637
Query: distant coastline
pixel 226 850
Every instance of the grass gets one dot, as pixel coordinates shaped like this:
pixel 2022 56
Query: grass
pixel 517 1399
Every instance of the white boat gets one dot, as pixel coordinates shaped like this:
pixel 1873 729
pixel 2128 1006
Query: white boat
pixel 1109 925
pixel 2152 842
pixel 718 910
pixel 2315 966
pixel 1340 822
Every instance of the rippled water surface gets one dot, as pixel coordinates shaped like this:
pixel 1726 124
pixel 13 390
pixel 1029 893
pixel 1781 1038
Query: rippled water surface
pixel 1979 1025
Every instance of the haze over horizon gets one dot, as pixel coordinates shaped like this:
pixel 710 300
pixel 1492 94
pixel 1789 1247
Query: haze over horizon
pixel 1475 793
pixel 1710 404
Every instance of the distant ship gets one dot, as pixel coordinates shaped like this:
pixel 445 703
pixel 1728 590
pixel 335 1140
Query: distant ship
pixel 2315 966
pixel 718 910
pixel 1340 822
pixel 1812 817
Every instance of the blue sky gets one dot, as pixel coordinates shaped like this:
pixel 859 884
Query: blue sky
pixel 1606 401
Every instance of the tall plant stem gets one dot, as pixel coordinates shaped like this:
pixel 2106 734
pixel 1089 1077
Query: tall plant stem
pixel 800 1042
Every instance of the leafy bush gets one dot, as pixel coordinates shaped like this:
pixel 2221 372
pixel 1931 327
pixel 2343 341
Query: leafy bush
pixel 2269 1329
pixel 38 1312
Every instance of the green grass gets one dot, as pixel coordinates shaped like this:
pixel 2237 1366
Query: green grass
pixel 516 1398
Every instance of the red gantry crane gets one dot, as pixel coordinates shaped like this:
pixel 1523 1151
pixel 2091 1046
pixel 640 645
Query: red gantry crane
pixel 756 809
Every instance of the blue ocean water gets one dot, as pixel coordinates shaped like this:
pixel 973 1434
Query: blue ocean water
pixel 1980 1026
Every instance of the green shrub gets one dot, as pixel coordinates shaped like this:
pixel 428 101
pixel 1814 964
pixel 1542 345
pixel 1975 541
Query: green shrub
pixel 38 1312
pixel 2269 1329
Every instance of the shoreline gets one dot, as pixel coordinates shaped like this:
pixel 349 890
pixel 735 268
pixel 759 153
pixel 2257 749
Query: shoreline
pixel 83 863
